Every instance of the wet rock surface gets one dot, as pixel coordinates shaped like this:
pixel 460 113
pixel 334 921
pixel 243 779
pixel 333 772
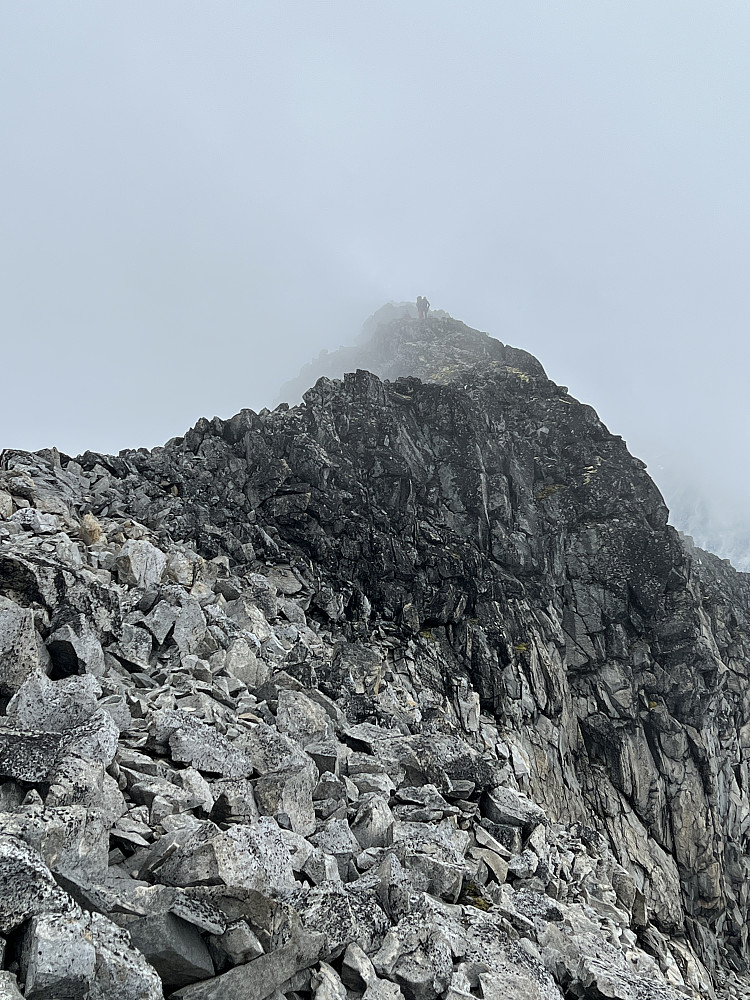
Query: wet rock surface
pixel 405 692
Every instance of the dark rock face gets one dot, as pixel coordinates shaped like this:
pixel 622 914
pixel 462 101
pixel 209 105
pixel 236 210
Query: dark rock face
pixel 416 667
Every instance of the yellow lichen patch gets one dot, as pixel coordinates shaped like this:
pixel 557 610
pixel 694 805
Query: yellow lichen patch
pixel 521 647
pixel 445 374
pixel 590 471
pixel 478 902
pixel 549 491
pixel 524 376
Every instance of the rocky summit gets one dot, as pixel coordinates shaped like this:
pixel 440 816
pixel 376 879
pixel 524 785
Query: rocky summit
pixel 405 692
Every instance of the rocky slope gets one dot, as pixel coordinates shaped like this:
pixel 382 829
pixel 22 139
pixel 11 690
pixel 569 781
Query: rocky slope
pixel 408 690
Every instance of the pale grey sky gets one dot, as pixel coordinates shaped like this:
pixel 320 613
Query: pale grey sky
pixel 197 197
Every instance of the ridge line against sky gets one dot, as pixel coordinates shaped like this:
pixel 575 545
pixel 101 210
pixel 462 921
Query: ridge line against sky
pixel 197 199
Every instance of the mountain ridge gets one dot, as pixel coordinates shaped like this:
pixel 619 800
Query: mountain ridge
pixel 475 583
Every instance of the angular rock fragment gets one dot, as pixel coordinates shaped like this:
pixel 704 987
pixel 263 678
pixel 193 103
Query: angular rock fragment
pixel 263 976
pixel 70 839
pixel 244 856
pixel 357 971
pixel 140 564
pixel 54 706
pixel 505 805
pixel 193 742
pixel 303 720
pixel 29 756
pixel 345 915
pixel 57 959
pixel 31 519
pixel 71 956
pixel 6 505
pixel 327 984
pixel 173 947
pixel 27 887
pixel 19 652
pixel 337 839
pixel 236 946
pixel 243 663
pixel 190 627
pixel 372 824
pixel 76 649
pixel 287 794
pixel 161 620
pixel 234 801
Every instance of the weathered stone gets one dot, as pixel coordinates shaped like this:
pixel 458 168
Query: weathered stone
pixel 95 739
pixel 72 956
pixel 320 867
pixel 141 564
pixel 134 647
pixel 9 987
pixel 234 801
pixel 75 648
pixel 252 857
pixel 327 756
pixel 54 706
pixel 345 915
pixel 243 663
pixel 417 955
pixel 190 627
pixel 57 959
pixel 262 977
pixel 288 792
pixel 327 984
pixel 497 865
pixel 19 653
pixel 174 948
pixel 373 822
pixel 337 839
pixel 78 781
pixel 193 742
pixel 28 756
pixel 303 720
pixel 31 519
pixel 161 620
pixel 523 865
pixel 357 971
pixel 27 887
pixel 269 750
pixel 236 946
pixel 505 805
pixel 6 505
pixel 382 989
pixel 71 839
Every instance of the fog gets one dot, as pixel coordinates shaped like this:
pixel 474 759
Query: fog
pixel 198 197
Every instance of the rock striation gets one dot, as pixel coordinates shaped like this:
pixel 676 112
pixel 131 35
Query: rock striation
pixel 408 691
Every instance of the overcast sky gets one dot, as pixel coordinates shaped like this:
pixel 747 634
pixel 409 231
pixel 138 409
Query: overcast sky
pixel 198 197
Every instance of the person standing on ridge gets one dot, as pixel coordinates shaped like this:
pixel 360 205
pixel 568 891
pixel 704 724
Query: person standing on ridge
pixel 423 306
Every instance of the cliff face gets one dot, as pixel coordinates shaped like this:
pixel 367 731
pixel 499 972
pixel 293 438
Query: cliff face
pixel 480 580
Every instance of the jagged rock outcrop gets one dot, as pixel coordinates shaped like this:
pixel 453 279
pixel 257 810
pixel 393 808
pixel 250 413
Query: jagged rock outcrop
pixel 407 691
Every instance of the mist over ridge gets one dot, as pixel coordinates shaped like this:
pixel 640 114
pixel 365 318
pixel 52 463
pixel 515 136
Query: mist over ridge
pixel 716 523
